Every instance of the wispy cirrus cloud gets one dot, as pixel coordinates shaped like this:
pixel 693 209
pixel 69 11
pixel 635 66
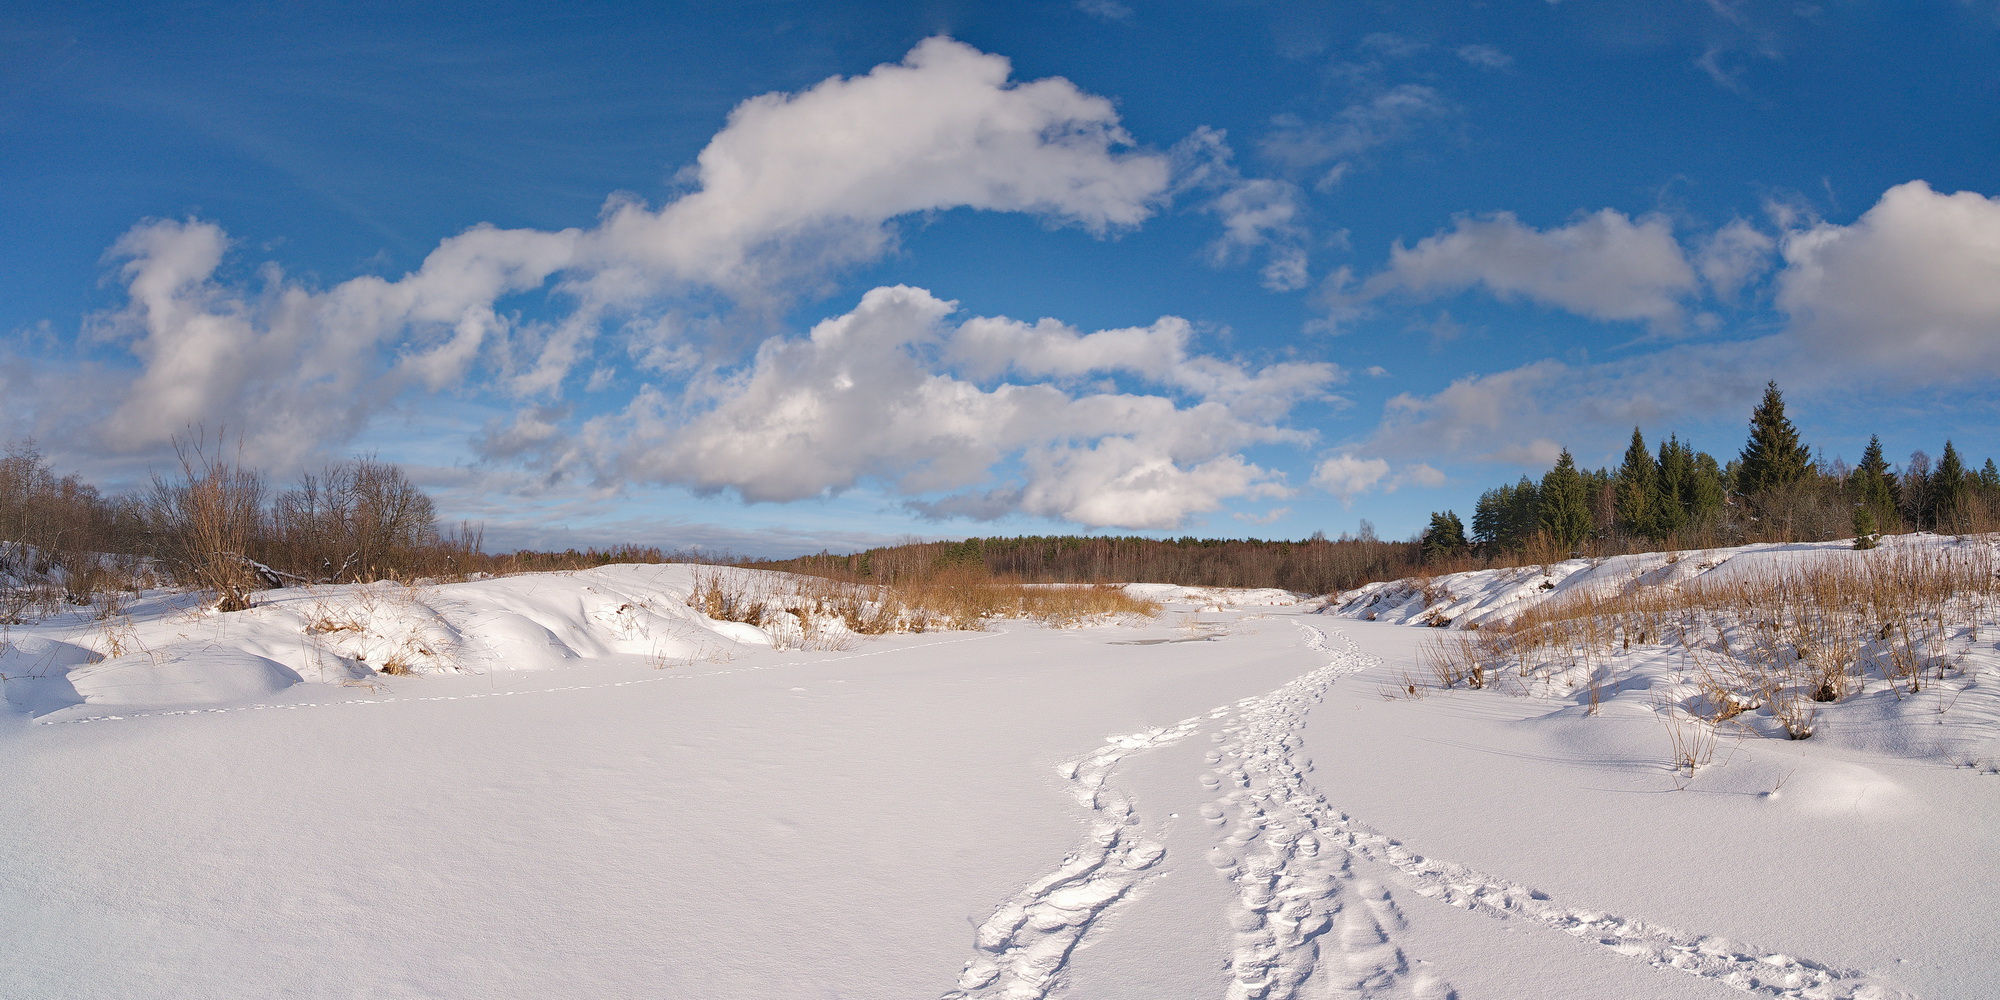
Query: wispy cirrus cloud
pixel 1327 149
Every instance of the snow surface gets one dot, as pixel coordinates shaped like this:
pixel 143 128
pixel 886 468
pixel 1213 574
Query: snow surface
pixel 589 790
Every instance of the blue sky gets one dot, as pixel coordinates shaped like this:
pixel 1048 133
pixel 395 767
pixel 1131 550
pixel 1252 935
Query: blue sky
pixel 772 277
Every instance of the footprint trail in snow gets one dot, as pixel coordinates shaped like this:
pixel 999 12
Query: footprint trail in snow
pixel 1311 916
pixel 1306 925
pixel 1023 946
pixel 1298 864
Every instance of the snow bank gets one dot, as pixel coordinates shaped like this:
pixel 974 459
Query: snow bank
pixel 165 651
pixel 1486 596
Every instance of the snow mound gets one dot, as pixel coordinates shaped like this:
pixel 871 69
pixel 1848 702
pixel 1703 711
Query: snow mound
pixel 165 652
pixel 187 675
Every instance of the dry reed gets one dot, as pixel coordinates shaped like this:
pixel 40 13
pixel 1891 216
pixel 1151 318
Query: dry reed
pixel 1786 639
pixel 811 610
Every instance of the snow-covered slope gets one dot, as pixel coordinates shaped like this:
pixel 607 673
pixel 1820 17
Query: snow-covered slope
pixel 165 651
pixel 1493 595
pixel 1212 804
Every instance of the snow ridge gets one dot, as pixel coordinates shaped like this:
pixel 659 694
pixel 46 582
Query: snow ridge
pixel 1293 856
pixel 1024 945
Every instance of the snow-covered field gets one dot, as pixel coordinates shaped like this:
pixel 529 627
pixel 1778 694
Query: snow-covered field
pixel 610 796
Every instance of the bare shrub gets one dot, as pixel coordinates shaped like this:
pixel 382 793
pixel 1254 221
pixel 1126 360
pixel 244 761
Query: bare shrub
pixel 206 519
pixel 356 521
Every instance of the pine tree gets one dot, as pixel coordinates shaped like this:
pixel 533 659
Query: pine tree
pixel 1565 503
pixel 1638 492
pixel 1445 537
pixel 1773 458
pixel 1691 488
pixel 1949 492
pixel 1989 476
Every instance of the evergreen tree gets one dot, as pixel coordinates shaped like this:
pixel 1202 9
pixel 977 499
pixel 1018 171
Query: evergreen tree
pixel 1565 503
pixel 1949 492
pixel 1773 458
pixel 1691 488
pixel 1638 497
pixel 1445 537
pixel 1675 486
pixel 1989 476
pixel 1873 486
pixel 1524 512
pixel 1489 516
pixel 1864 528
pixel 1711 486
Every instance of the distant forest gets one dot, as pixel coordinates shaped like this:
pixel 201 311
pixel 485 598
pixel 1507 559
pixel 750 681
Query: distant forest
pixel 1315 565
pixel 1774 490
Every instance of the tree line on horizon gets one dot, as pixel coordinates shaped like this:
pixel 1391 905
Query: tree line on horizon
pixel 1774 490
pixel 1315 565
pixel 216 524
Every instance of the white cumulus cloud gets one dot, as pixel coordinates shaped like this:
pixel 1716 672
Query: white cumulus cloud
pixel 1346 476
pixel 1605 265
pixel 894 393
pixel 793 188
pixel 1732 256
pixel 1909 290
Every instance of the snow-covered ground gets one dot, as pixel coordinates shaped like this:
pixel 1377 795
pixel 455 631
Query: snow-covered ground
pixel 610 796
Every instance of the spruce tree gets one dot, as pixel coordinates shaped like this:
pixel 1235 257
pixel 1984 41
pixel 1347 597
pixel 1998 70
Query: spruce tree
pixel 1710 489
pixel 1873 487
pixel 1524 512
pixel 1489 516
pixel 1864 528
pixel 1949 492
pixel 1565 503
pixel 1773 458
pixel 1638 499
pixel 1676 488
